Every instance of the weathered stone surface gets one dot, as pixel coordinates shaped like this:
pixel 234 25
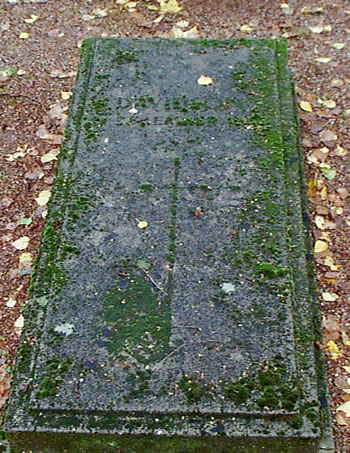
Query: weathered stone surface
pixel 173 306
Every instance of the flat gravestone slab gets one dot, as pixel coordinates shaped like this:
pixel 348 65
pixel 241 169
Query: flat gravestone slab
pixel 173 305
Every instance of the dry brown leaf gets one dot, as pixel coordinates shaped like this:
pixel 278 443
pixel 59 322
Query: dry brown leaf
pixel 61 74
pixel 341 382
pixel 343 192
pixel 44 134
pixel 328 136
pixel 331 328
pixel 337 83
pixel 341 420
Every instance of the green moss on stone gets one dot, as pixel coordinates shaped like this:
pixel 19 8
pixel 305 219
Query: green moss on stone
pixel 56 370
pixel 194 389
pixel 125 57
pixel 270 270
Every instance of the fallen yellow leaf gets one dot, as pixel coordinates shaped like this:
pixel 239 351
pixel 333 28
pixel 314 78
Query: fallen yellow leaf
pixel 311 191
pixel 25 257
pixel 11 302
pixel 324 60
pixel 24 35
pixel 329 104
pixel 320 246
pixel 345 408
pixel 178 33
pixel 48 157
pixel 347 369
pixel 325 236
pixel 65 95
pixel 317 29
pixel 204 80
pixel 246 28
pixel 329 297
pixel 21 243
pixel 43 197
pixel 306 106
pixel 339 210
pixel 170 6
pixel 131 6
pixel 324 193
pixel 182 23
pixel 333 349
pixel 330 263
pixel 33 18
pixel 142 224
pixel 320 222
pixel 19 322
pixel 87 17
pixel 158 19
pixel 100 12
pixel 338 45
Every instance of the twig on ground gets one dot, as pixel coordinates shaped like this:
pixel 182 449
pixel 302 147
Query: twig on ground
pixel 19 95
pixel 153 281
pixel 167 356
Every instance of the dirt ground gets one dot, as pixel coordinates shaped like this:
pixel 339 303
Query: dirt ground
pixel 40 41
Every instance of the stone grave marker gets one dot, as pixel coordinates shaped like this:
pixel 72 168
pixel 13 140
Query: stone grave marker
pixel 173 305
